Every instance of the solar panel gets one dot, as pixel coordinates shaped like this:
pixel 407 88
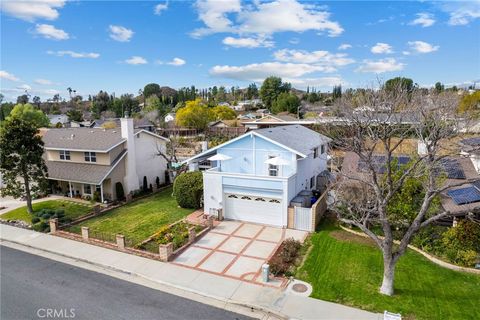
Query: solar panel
pixel 378 163
pixel 476 184
pixel 452 168
pixel 464 195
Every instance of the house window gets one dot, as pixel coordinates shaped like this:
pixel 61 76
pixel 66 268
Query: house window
pixel 98 188
pixel 312 182
pixel 260 199
pixel 64 155
pixel 91 156
pixel 272 169
pixel 87 189
pixel 322 149
pixel 315 153
pixel 246 198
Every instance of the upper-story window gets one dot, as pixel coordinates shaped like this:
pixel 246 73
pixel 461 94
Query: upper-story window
pixel 64 154
pixel 322 149
pixel 91 156
pixel 272 169
pixel 315 153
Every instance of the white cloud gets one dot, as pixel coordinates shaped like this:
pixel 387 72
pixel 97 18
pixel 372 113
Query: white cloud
pixel 259 71
pixel 177 62
pixel 43 82
pixel 461 12
pixel 380 66
pixel 248 42
pixel 50 32
pixel 381 48
pixel 8 76
pixel 344 46
pixel 406 53
pixel 136 60
pixel 119 33
pixel 424 19
pixel 32 10
pixel 73 54
pixel 422 47
pixel 329 61
pixel 263 18
pixel 213 14
pixel 160 7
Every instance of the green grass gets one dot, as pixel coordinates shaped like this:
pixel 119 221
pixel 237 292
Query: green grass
pixel 348 270
pixel 72 209
pixel 139 219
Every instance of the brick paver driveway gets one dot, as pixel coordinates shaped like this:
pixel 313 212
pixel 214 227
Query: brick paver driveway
pixel 237 250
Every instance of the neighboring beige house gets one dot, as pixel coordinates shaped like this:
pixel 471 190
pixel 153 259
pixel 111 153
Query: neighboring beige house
pixel 81 161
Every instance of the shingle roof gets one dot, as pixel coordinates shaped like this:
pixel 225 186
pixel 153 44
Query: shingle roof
pixel 82 138
pixel 295 137
pixel 80 172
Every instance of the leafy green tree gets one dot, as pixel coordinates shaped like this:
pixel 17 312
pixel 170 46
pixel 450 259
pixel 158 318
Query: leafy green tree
pixel 271 89
pixel 155 104
pixel 397 83
pixel 29 113
pixel 36 100
pixel 195 114
pixel 439 87
pixel 151 89
pixel 23 99
pixel 337 92
pixel 5 110
pixel 224 113
pixel 75 115
pixel 101 102
pixel 222 94
pixel 252 91
pixel 285 102
pixel 22 165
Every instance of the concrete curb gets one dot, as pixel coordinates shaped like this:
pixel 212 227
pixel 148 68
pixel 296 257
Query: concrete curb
pixel 266 310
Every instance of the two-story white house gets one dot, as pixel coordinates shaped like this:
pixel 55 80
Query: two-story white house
pixel 256 175
pixel 82 161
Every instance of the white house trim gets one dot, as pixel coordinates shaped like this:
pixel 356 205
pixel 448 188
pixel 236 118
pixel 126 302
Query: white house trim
pixel 88 150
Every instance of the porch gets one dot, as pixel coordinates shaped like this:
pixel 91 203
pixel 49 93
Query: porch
pixel 82 190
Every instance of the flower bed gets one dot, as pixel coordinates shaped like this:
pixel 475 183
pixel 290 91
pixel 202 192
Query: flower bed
pixel 176 233
pixel 286 258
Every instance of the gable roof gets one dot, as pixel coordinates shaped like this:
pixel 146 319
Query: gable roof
pixel 95 139
pixel 81 172
pixel 296 138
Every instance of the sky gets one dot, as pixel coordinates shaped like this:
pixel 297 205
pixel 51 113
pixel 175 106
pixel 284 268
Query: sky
pixel 119 46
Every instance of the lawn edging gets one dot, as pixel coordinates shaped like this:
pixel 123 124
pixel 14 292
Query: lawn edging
pixel 433 259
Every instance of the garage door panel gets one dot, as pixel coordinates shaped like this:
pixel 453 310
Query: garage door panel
pixel 253 208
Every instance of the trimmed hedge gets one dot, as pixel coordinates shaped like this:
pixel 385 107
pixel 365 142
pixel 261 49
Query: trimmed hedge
pixel 188 189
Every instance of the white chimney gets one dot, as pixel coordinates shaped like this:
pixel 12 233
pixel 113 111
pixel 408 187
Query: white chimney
pixel 204 145
pixel 131 181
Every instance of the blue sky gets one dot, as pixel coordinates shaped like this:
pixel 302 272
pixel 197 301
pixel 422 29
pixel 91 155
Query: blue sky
pixel 119 46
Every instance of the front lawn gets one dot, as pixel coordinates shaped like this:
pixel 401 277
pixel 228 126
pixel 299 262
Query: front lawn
pixel 140 219
pixel 347 269
pixel 72 210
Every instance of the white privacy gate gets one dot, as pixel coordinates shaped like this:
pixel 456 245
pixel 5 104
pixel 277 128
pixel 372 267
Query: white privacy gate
pixel 303 219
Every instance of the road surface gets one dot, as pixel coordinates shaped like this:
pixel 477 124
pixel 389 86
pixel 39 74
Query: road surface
pixel 34 287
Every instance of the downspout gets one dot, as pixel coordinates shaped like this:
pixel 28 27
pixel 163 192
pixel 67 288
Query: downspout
pixel 254 158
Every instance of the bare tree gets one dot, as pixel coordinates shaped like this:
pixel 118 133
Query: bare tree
pixel 170 154
pixel 378 121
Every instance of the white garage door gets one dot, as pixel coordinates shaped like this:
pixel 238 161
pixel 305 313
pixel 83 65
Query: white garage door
pixel 256 209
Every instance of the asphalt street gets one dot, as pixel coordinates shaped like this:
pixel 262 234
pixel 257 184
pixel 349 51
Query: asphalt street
pixel 33 287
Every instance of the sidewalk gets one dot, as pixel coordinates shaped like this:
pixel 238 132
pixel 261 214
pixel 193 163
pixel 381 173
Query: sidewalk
pixel 202 283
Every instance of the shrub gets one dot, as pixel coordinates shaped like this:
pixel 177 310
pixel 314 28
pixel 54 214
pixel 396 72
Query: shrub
pixel 41 226
pixel 285 257
pixel 462 243
pixel 145 184
pixel 157 182
pixel 35 220
pixel 119 191
pixel 150 188
pixel 59 213
pixel 96 196
pixel 188 189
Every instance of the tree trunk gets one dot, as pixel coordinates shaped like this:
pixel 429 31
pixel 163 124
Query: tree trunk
pixel 388 276
pixel 28 196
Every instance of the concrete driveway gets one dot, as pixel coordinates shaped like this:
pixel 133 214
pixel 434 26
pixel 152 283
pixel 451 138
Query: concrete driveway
pixel 237 250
